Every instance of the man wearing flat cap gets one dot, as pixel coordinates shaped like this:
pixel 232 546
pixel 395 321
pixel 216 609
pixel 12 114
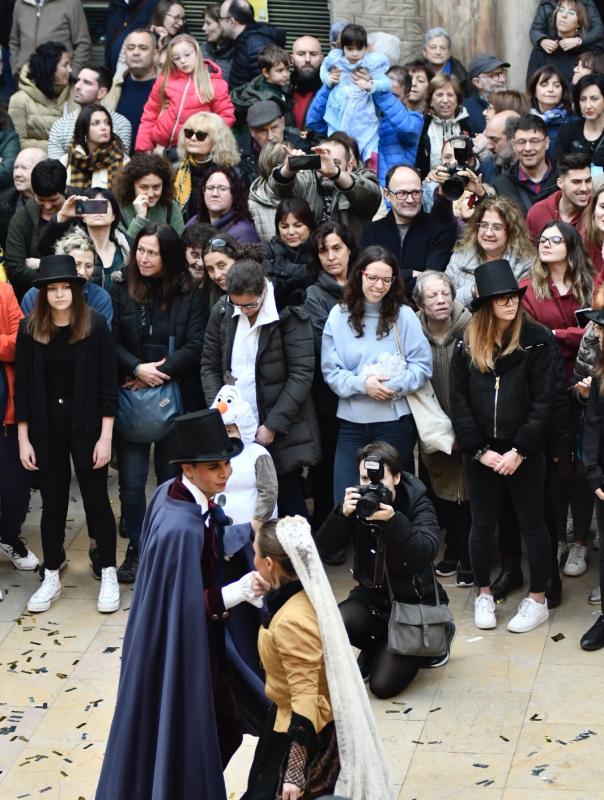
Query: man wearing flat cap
pixel 487 74
pixel 190 644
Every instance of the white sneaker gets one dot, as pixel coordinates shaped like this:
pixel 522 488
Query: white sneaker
pixel 18 553
pixel 576 561
pixel 562 551
pixel 109 595
pixel 47 593
pixel 530 615
pixel 595 597
pixel 484 612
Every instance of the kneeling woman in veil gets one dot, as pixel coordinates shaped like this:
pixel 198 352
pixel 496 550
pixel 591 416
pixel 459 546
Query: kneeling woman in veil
pixel 320 735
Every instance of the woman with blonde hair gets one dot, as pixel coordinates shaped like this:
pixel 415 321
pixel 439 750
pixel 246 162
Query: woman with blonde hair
pixel 187 84
pixel 502 391
pixel 205 140
pixel 496 230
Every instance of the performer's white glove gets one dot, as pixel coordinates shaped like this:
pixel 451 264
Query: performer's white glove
pixel 240 591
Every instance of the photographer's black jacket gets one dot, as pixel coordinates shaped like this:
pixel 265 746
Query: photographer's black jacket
pixel 411 539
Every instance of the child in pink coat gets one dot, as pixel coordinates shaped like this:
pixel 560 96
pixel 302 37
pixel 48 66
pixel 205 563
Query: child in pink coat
pixel 187 85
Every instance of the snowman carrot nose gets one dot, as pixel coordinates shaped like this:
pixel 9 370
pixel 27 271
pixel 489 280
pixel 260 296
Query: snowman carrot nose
pixel 222 407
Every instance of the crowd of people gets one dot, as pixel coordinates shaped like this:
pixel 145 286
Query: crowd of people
pixel 334 259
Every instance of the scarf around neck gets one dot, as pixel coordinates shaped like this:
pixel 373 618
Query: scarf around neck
pixel 82 165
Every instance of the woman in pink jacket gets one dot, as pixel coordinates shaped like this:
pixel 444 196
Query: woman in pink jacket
pixel 187 85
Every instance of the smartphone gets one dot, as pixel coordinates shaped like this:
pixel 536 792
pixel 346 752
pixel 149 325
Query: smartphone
pixel 91 207
pixel 298 163
pixel 582 320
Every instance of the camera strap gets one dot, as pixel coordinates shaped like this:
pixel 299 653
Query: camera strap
pixel 414 580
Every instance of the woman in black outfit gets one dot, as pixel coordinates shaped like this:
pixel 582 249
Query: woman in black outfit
pixel 154 296
pixel 586 135
pixel 65 403
pixel 395 545
pixel 502 393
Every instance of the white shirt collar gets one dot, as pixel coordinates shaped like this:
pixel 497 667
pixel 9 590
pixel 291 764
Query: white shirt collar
pixel 268 310
pixel 198 495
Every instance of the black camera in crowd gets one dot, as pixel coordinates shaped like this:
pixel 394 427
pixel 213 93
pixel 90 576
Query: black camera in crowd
pixel 373 493
pixel 454 187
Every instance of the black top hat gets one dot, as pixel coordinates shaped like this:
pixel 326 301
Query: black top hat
pixel 57 269
pixel 595 315
pixel 494 279
pixel 202 436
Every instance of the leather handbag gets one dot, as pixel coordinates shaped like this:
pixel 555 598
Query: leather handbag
pixel 417 629
pixel 147 415
pixel 434 427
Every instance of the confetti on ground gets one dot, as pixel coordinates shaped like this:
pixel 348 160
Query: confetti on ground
pixel 407 710
pixel 536 718
pixel 474 639
pixel 110 649
pixel 486 782
pixel 392 711
pixel 438 708
pixel 481 766
pixel 558 637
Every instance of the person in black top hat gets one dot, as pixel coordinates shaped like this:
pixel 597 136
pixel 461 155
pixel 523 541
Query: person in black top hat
pixel 176 722
pixel 65 404
pixel 593 460
pixel 502 392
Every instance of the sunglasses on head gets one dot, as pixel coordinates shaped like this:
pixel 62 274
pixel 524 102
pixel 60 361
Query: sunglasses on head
pixel 201 136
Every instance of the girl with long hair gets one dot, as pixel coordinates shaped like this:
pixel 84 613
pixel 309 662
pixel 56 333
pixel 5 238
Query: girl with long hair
pixel 187 84
pixel 363 364
pixel 95 156
pixel 502 391
pixel 65 404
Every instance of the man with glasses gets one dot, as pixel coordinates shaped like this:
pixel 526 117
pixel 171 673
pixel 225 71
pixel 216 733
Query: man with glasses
pixel 533 176
pixel 249 37
pixel 419 241
pixel 488 74
pixel 570 201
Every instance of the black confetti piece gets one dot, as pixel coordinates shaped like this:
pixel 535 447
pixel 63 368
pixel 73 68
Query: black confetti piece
pixel 481 766
pixel 536 718
pixel 558 637
pixel 110 649
pixel 432 710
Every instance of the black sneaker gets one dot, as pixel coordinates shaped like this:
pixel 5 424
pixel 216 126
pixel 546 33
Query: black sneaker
pixel 465 577
pixel 42 569
pixel 364 665
pixel 440 661
pixel 446 567
pixel 95 562
pixel 127 572
pixel 593 639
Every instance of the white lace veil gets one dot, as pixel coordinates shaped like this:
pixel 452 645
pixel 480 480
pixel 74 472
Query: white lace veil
pixel 364 773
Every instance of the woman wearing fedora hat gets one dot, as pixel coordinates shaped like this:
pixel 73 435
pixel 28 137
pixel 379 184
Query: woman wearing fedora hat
pixel 65 403
pixel 502 393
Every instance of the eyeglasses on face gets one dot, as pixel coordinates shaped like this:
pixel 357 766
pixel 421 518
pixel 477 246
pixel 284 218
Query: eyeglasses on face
pixel 176 17
pixel 201 136
pixel 572 12
pixel 219 189
pixel 249 306
pixel 507 300
pixel 403 194
pixel 551 239
pixel 496 227
pixel 520 143
pixel 373 279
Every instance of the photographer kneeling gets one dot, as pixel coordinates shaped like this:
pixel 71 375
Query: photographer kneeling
pixel 393 551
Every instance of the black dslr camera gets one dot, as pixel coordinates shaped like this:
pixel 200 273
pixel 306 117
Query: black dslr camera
pixel 454 187
pixel 375 492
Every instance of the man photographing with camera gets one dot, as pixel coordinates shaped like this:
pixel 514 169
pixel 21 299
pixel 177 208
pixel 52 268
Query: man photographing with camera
pixel 394 529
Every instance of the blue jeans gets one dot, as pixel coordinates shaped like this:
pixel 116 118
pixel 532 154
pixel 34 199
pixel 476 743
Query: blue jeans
pixel 400 433
pixel 133 466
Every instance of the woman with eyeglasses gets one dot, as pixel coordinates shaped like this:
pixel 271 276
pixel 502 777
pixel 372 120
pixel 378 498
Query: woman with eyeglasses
pixel 222 201
pixel 205 141
pixel 270 355
pixel 363 364
pixel 154 301
pixel 217 47
pixel 167 21
pixel 496 230
pixel 586 135
pixel 560 30
pixel 502 395
pixel 146 195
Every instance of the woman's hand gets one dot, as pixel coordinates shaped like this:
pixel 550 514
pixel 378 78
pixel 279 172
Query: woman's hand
pixel 383 514
pixel 32 263
pixel 141 205
pixel 490 459
pixel 438 175
pixel 258 585
pixel 291 792
pixel 549 45
pixel 68 209
pixel 375 388
pixel 599 494
pixel 149 374
pixel 101 455
pixel 27 455
pixel 163 35
pixel 583 387
pixel 362 78
pixel 351 498
pixel 570 44
pixel 265 436
pixel 508 463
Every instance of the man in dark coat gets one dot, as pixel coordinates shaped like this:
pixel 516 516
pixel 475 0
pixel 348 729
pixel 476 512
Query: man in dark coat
pixel 237 23
pixel 124 16
pixel 176 723
pixel 419 241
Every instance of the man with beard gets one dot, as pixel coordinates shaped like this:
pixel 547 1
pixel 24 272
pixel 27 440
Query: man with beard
pixel 501 153
pixel 306 58
pixel 571 199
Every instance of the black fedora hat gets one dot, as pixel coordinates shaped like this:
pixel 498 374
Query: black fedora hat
pixel 595 315
pixel 202 436
pixel 494 279
pixel 57 269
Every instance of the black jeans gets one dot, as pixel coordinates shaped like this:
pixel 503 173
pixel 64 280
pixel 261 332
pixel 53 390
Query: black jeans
pixel 290 499
pixel 526 489
pixel 456 519
pixel 14 487
pixel 54 481
pixel 322 473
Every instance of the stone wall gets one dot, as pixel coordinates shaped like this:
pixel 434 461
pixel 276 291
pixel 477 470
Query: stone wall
pixel 499 26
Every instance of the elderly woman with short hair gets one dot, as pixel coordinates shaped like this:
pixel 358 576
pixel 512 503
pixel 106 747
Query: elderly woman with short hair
pixel 436 50
pixel 443 322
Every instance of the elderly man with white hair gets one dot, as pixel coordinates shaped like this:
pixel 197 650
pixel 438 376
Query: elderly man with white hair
pixel 437 52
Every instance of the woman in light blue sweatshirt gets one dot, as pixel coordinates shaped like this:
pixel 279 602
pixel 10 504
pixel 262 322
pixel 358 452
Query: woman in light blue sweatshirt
pixel 362 364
